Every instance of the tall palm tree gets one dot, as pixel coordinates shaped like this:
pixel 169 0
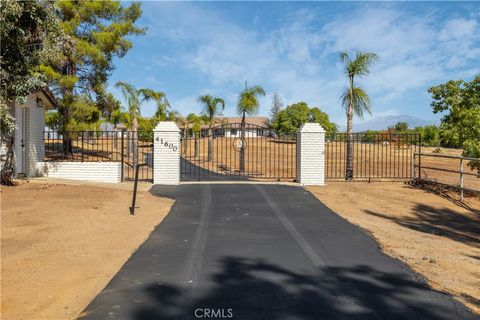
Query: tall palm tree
pixel 196 123
pixel 247 104
pixel 355 99
pixel 134 98
pixel 211 110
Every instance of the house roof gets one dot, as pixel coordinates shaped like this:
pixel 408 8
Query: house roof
pixel 50 97
pixel 259 121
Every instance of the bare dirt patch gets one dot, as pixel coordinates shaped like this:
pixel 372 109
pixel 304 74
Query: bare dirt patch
pixel 61 244
pixel 435 237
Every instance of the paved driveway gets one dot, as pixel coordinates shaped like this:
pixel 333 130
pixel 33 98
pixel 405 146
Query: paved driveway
pixel 244 251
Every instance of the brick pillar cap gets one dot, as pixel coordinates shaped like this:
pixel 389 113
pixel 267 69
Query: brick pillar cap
pixel 311 127
pixel 169 126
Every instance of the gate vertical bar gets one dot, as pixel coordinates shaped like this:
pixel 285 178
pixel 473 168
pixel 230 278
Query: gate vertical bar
pixel 122 155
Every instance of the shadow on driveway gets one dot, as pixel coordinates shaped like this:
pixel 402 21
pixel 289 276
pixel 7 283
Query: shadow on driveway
pixel 247 288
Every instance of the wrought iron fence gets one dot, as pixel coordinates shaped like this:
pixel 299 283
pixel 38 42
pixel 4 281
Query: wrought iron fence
pixel 375 156
pixel 127 147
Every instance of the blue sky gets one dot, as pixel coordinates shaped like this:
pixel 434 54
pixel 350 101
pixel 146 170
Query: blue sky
pixel 193 48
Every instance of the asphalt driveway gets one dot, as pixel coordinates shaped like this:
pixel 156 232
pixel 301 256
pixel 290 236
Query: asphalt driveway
pixel 245 251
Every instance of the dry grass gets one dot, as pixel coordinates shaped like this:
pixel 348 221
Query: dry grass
pixel 433 235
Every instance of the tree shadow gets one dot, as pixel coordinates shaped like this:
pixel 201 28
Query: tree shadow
pixel 255 289
pixel 442 222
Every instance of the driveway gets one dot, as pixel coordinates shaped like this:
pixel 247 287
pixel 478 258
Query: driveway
pixel 256 251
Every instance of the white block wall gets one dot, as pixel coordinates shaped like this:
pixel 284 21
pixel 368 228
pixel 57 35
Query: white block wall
pixel 166 153
pixel 85 171
pixel 311 154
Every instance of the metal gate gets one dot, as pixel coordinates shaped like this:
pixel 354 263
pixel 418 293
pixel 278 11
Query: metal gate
pixel 238 151
pixel 376 156
pixel 143 142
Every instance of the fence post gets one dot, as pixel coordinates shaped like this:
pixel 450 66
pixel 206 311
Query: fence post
pixel 122 153
pixel 461 179
pixel 311 154
pixel 82 144
pixel 166 153
pixel 420 161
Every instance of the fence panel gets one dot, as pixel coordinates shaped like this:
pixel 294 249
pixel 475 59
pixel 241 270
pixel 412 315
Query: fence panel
pixel 128 147
pixel 376 156
pixel 449 170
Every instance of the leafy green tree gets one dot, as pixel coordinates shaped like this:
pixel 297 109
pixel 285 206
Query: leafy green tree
pixel 30 36
pixel 460 127
pixel 293 116
pixel 401 126
pixel 98 32
pixel 211 109
pixel 430 135
pixel 248 104
pixel 109 108
pixel 355 99
pixel 318 116
pixel 277 106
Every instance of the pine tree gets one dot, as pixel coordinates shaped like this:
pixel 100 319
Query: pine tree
pixel 98 31
pixel 276 107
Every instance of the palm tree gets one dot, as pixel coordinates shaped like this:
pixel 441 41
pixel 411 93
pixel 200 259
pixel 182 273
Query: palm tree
pixel 196 122
pixel 247 104
pixel 134 98
pixel 211 110
pixel 354 98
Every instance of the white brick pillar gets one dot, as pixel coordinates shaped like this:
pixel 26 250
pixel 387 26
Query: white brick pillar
pixel 311 154
pixel 166 153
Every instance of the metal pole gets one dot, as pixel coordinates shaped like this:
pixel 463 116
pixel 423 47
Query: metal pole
pixel 420 159
pixel 414 165
pixel 461 179
pixel 135 184
pixel 122 154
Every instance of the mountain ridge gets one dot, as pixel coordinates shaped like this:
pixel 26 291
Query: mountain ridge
pixel 382 123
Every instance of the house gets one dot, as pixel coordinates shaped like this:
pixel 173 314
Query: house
pixel 28 143
pixel 230 127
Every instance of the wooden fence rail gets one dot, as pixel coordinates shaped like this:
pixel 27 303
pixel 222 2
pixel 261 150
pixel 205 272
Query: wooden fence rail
pixel 462 173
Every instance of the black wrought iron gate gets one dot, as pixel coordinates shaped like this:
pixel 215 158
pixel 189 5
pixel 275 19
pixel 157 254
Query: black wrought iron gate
pixel 236 151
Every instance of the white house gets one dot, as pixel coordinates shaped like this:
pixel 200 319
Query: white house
pixel 28 141
pixel 229 127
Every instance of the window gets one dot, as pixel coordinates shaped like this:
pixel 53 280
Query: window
pixel 233 132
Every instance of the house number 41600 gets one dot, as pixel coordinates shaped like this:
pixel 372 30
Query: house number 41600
pixel 166 144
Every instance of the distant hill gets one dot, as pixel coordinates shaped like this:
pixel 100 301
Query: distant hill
pixel 381 123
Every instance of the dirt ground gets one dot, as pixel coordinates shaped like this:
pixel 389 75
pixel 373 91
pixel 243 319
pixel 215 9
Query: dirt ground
pixel 434 236
pixel 61 244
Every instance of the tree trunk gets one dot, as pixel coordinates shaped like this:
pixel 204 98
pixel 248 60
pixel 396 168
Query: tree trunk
pixel 210 137
pixel 349 168
pixel 242 149
pixel 8 167
pixel 196 146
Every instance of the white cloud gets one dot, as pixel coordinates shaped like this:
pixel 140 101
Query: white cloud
pixel 299 60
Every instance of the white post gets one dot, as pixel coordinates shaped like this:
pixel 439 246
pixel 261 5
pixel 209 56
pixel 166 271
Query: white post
pixel 166 153
pixel 311 154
